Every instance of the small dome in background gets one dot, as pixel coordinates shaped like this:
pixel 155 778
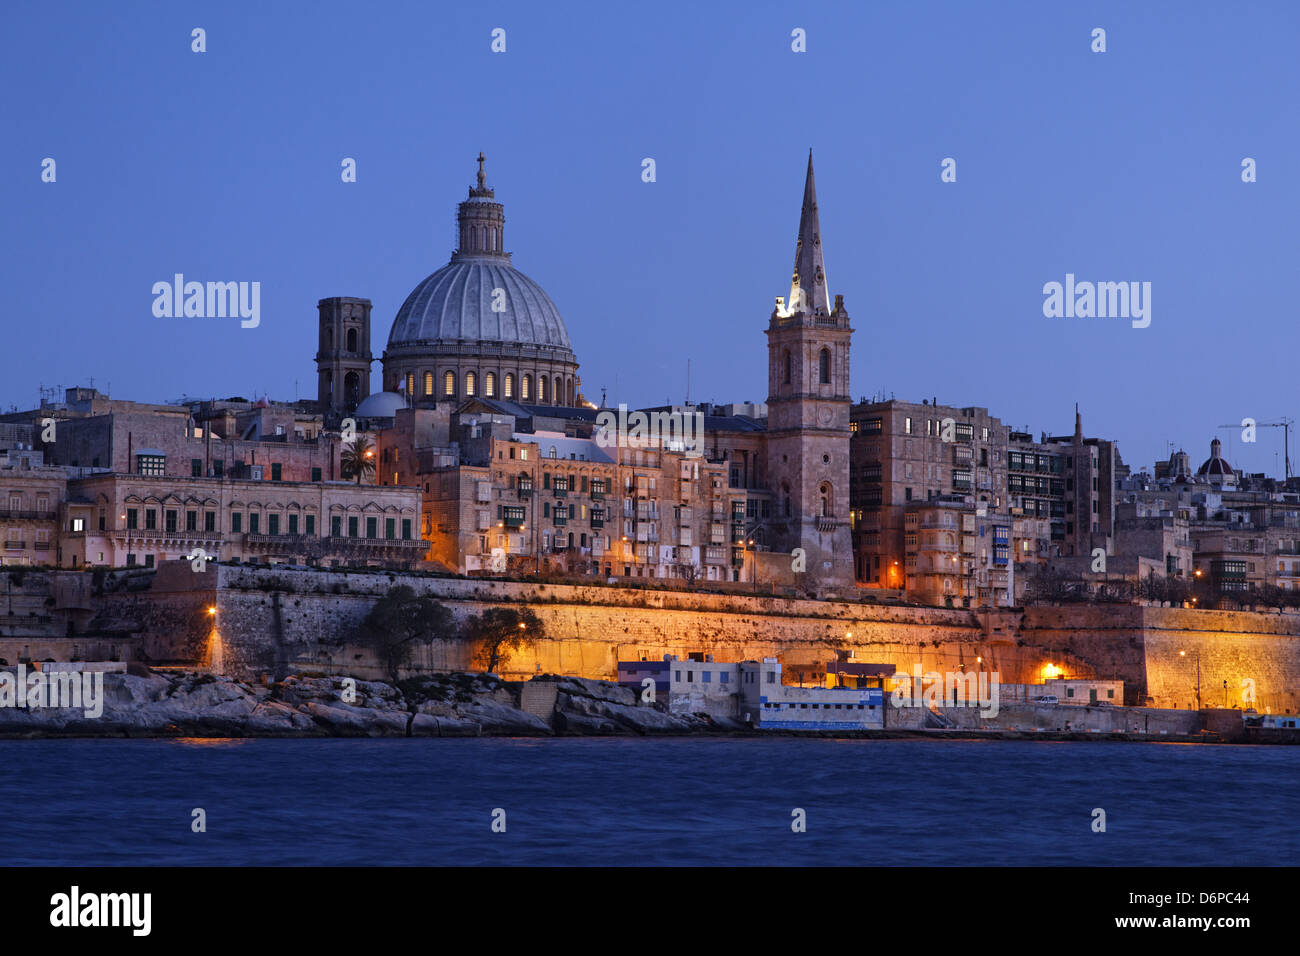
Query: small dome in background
pixel 1216 465
pixel 380 405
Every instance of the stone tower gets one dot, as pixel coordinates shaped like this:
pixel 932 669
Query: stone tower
pixel 808 412
pixel 343 357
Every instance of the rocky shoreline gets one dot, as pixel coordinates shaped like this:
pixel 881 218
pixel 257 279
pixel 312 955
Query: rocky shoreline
pixel 161 704
pixel 191 704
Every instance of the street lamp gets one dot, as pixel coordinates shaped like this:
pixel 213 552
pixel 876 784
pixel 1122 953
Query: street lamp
pixel 1198 676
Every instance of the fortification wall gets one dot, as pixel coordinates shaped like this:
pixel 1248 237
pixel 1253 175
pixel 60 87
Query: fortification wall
pixel 276 621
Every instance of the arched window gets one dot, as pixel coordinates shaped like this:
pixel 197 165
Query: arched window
pixel 526 389
pixel 410 384
pixel 788 370
pixel 428 383
pixel 352 340
pixel 490 385
pixel 824 367
pixel 541 388
pixel 449 384
pixel 559 390
pixel 785 495
pixel 471 383
pixel 827 499
pixel 571 397
pixel 510 385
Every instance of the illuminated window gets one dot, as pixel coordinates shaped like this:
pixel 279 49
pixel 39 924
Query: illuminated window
pixel 410 383
pixel 526 388
pixel 449 385
pixel 151 464
pixel 490 385
pixel 471 383
pixel 428 383
pixel 541 389
pixel 509 385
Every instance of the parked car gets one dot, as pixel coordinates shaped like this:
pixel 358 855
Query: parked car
pixel 1102 703
pixel 1047 699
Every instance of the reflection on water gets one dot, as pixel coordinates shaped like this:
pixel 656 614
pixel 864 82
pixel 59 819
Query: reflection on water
pixel 210 741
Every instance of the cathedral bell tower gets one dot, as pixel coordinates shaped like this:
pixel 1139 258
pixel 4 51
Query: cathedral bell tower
pixel 808 412
pixel 343 357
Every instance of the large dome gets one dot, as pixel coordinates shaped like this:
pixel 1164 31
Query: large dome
pixel 478 327
pixel 455 305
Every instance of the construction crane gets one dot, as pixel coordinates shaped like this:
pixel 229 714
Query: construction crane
pixel 1282 423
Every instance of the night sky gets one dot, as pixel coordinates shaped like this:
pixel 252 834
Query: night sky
pixel 1115 166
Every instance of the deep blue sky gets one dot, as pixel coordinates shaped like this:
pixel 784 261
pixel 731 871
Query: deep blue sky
pixel 1116 166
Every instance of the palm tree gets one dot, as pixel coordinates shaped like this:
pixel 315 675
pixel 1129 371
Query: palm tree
pixel 358 458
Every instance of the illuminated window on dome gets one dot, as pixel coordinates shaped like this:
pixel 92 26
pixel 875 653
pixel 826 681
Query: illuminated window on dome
pixel 410 383
pixel 541 388
pixel 526 390
pixel 490 385
pixel 428 383
pixel 471 383
pixel 449 384
pixel 510 386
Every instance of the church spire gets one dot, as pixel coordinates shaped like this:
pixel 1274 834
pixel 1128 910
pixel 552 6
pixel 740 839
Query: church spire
pixel 808 285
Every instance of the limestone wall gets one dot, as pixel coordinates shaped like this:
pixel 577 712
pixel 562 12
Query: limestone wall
pixel 276 621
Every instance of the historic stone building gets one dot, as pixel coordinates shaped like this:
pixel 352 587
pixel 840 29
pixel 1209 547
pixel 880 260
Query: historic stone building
pixel 480 378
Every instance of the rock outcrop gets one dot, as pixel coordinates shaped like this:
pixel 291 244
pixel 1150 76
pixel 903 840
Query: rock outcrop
pixel 196 704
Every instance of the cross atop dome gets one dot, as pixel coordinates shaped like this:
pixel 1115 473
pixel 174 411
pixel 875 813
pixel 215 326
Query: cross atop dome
pixel 481 191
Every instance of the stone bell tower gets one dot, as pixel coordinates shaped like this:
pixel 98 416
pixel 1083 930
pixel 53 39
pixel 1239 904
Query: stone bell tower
pixel 343 357
pixel 808 412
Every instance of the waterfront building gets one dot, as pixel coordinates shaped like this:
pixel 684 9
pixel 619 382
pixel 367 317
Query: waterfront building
pixel 768 703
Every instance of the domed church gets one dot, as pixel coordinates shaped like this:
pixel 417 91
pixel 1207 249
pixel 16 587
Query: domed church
pixel 476 328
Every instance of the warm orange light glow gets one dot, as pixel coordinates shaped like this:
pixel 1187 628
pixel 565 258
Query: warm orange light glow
pixel 1051 670
pixel 212 610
